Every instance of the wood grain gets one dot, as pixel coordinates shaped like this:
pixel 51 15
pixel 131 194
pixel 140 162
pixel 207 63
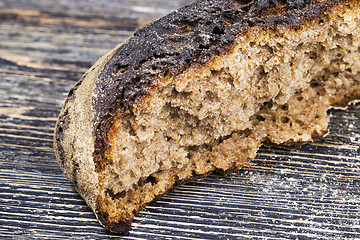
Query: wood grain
pixel 45 47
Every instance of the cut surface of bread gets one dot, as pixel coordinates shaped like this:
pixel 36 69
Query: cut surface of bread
pixel 200 90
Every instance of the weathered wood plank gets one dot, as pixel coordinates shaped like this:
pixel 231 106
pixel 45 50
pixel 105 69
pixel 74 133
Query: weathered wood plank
pixel 45 47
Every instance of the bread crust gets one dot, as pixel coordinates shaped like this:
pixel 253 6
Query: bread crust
pixel 74 138
pixel 185 39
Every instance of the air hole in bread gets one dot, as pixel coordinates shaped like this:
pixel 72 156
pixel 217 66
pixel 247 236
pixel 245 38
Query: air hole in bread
pixel 285 119
pixel 120 68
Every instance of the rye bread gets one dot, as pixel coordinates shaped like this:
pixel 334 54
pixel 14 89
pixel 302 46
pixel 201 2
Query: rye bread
pixel 200 90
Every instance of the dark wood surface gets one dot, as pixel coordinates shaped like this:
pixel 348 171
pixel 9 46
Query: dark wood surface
pixel 45 47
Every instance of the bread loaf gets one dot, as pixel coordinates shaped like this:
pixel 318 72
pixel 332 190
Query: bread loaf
pixel 200 90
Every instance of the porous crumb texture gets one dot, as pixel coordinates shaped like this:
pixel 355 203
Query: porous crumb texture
pixel 271 88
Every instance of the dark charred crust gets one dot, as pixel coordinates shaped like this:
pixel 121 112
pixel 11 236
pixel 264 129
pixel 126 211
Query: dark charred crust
pixel 61 126
pixel 120 227
pixel 75 172
pixel 184 38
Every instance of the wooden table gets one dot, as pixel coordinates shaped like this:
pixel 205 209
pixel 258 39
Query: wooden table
pixel 45 47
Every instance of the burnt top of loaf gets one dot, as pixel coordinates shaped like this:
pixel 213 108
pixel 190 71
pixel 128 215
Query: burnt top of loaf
pixel 184 38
